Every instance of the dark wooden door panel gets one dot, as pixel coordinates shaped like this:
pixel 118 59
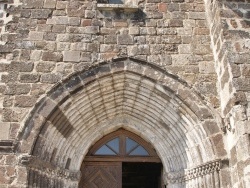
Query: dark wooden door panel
pixel 101 175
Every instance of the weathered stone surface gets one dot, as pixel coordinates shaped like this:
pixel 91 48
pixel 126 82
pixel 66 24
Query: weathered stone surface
pixel 21 66
pixel 125 39
pixel 40 13
pixel 17 89
pixel 4 133
pixel 51 56
pixel 29 78
pixel 50 78
pixel 186 79
pixel 72 56
pixel 45 66
pixel 25 101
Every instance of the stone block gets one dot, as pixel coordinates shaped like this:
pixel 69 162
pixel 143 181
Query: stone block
pixel 75 21
pixel 61 4
pixel 17 89
pixel 58 28
pixel 49 37
pixel 219 146
pixel 206 67
pixel 125 39
pixel 29 78
pixel 50 78
pixel 5 130
pixel 49 4
pixel 6 48
pixel 58 20
pixel 35 35
pixel 33 4
pixel 241 84
pixel 235 69
pixel 201 31
pixel 140 39
pixel 162 7
pixel 52 56
pixel 196 15
pixel 13 114
pixel 225 176
pixel 211 127
pixel 36 55
pixel 25 101
pixel 90 14
pixel 173 7
pixel 138 50
pixel 7 101
pixel 246 70
pixel 71 56
pixel 170 39
pixel 166 31
pixel 86 56
pixel 91 29
pixel 110 39
pixel 182 59
pixel 38 89
pixel 243 148
pixel 176 23
pixel 184 49
pixel 59 13
pixel 63 37
pixel 120 24
pixel 86 22
pixel 40 13
pixel 238 58
pixel 21 66
pixel 108 48
pixel 134 30
pixel 45 66
pixel 179 15
pixel 203 49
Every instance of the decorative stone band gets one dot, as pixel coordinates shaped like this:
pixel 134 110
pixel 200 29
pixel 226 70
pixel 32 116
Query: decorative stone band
pixel 42 167
pixel 201 170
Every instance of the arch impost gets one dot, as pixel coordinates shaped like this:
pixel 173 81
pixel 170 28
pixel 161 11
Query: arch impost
pixel 188 174
pixel 35 164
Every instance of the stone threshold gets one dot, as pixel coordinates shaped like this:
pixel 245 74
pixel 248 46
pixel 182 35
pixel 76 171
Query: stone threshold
pixel 117 7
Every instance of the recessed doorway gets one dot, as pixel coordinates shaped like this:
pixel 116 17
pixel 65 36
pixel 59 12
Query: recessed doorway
pixel 141 175
pixel 121 160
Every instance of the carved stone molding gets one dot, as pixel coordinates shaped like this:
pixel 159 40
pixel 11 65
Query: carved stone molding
pixel 196 172
pixel 48 169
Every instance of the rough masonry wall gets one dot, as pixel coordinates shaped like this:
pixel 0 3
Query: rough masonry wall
pixel 230 40
pixel 46 41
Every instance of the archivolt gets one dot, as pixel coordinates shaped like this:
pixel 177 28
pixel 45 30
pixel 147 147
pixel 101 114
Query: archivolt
pixel 127 93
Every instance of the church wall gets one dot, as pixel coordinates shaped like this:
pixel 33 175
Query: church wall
pixel 43 42
pixel 230 41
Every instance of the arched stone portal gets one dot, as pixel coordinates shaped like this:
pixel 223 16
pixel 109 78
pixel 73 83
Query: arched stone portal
pixel 128 93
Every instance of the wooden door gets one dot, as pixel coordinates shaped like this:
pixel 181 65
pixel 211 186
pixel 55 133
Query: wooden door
pixel 101 175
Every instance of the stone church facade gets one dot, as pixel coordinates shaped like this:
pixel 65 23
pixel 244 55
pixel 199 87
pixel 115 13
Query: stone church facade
pixel 174 72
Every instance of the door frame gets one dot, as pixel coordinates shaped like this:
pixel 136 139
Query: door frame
pixel 105 160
